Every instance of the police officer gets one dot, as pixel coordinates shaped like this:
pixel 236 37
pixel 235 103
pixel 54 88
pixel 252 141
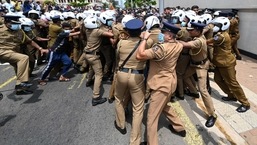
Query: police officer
pixel 106 47
pixel 10 41
pixel 152 24
pixel 225 73
pixel 200 65
pixel 162 80
pixel 234 34
pixel 27 25
pixel 130 79
pixel 91 54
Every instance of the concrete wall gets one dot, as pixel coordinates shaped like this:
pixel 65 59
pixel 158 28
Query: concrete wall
pixel 247 14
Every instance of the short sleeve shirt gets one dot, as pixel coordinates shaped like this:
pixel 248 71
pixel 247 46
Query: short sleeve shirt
pixel 94 39
pixel 11 40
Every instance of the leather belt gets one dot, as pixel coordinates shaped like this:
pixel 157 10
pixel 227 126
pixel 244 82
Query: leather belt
pixel 93 53
pixel 199 62
pixel 133 71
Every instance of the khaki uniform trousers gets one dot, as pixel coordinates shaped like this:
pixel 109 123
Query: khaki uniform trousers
pixel 95 62
pixel 225 77
pixel 202 87
pixel 31 52
pixel 19 61
pixel 182 64
pixel 134 85
pixel 82 61
pixel 108 57
pixel 77 50
pixel 189 81
pixel 158 105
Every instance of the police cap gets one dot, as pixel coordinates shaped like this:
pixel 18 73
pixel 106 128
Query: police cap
pixel 231 14
pixel 57 17
pixel 198 26
pixel 169 27
pixel 134 25
pixel 12 19
pixel 223 14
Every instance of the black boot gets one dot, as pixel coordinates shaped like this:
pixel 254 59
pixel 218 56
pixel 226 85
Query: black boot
pixel 98 100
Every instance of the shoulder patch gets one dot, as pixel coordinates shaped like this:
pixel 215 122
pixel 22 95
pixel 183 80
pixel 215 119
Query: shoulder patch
pixel 155 48
pixel 216 37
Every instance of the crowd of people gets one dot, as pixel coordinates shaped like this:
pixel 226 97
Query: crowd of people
pixel 145 55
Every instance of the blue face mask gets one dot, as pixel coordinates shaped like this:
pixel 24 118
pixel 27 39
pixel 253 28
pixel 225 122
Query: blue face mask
pixel 27 28
pixel 109 23
pixel 174 20
pixel 183 24
pixel 15 27
pixel 161 37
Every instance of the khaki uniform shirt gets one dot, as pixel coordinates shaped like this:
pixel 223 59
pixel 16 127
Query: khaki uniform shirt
pixel 124 48
pixel 116 28
pixel 54 31
pixel 154 35
pixel 11 40
pixel 184 35
pixel 233 28
pixel 199 49
pixel 105 40
pixel 222 55
pixel 73 23
pixel 162 75
pixel 94 39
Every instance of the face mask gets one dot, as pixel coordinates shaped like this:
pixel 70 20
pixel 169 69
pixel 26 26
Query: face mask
pixel 161 37
pixel 15 27
pixel 183 24
pixel 67 31
pixel 216 29
pixel 174 20
pixel 27 28
pixel 109 23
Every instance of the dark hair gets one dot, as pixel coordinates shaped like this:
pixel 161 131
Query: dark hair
pixel 194 7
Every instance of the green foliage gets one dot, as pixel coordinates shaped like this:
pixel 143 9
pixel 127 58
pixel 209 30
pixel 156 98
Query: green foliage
pixel 79 3
pixel 47 2
pixel 139 3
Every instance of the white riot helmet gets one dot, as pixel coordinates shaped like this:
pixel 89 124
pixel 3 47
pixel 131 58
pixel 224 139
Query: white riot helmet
pixel 201 20
pixel 92 13
pixel 193 19
pixel 111 13
pixel 20 14
pixel 221 24
pixel 180 14
pixel 26 24
pixel 151 21
pixel 34 12
pixel 91 22
pixel 105 19
pixel 125 19
pixel 207 17
pixel 80 16
pixel 216 13
pixel 48 16
pixel 70 15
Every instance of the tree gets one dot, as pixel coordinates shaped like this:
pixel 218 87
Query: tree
pixel 139 3
pixel 79 3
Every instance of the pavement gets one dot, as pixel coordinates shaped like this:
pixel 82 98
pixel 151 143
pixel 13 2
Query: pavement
pixel 232 127
pixel 61 113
